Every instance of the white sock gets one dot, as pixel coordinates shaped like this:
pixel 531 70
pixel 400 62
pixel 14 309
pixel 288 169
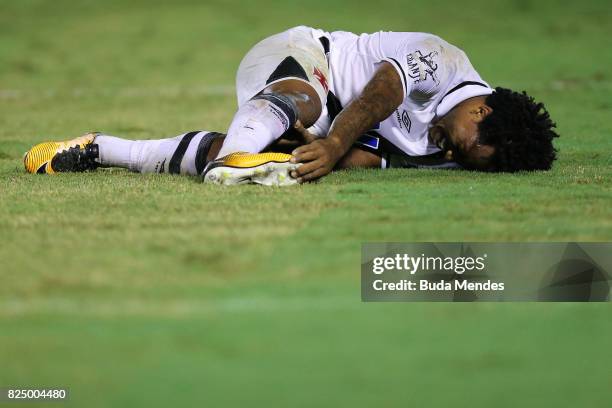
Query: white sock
pixel 114 151
pixel 172 155
pixel 258 122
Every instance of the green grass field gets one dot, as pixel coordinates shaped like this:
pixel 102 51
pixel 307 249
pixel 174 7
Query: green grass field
pixel 159 291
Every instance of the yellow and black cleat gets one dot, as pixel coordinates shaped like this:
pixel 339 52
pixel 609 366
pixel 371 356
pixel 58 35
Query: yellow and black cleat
pixel 270 169
pixel 246 160
pixel 78 154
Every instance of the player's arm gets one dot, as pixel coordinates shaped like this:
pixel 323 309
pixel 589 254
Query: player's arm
pixel 380 97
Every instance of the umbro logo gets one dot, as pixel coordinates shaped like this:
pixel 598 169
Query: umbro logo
pixel 403 119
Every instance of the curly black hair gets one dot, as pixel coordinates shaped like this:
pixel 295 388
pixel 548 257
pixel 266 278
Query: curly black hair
pixel 521 131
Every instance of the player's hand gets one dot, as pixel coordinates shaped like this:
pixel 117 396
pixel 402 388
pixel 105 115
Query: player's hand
pixel 318 157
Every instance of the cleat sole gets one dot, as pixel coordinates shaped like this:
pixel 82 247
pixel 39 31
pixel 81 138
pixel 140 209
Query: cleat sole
pixel 267 174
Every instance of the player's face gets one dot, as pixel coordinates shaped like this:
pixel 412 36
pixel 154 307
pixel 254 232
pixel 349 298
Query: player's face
pixel 457 134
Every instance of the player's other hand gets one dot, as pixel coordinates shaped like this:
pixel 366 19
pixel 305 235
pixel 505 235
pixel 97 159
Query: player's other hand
pixel 319 157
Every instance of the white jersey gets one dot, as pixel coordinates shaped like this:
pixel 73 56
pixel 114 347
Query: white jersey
pixel 436 76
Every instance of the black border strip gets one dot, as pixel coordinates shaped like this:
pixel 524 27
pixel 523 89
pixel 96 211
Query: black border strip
pixel 175 162
pixel 334 107
pixel 203 148
pixel 403 74
pixel 325 43
pixel 461 85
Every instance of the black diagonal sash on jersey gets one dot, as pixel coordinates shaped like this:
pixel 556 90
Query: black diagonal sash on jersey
pixel 334 107
pixel 289 67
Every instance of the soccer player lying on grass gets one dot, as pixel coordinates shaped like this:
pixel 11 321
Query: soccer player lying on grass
pixel 386 99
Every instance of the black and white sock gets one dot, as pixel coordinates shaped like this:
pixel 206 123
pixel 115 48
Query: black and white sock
pixel 184 154
pixel 259 122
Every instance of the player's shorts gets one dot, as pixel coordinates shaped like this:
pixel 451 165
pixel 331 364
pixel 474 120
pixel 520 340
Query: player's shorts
pixel 293 54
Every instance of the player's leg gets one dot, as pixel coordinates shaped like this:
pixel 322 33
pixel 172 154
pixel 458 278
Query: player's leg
pixel 268 115
pixel 185 154
pixel 189 154
pixel 281 79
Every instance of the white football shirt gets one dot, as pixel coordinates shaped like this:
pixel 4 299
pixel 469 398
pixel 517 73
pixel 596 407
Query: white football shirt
pixel 436 76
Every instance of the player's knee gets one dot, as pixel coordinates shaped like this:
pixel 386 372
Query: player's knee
pixel 303 97
pixel 281 103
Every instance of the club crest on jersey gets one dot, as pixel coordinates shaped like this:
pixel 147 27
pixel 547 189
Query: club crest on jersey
pixel 321 78
pixel 422 66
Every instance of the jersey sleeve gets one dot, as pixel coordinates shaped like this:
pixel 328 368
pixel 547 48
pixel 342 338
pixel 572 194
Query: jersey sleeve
pixel 422 67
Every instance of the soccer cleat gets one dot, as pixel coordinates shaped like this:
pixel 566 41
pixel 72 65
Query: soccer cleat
pixel 269 169
pixel 78 154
